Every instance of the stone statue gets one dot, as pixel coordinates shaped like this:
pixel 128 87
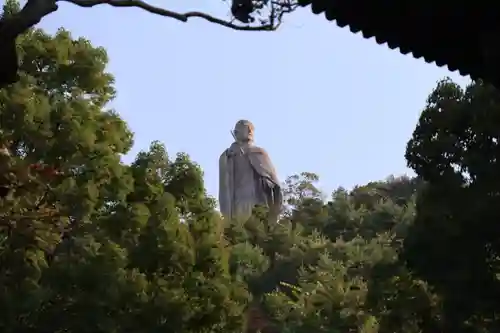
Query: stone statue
pixel 247 178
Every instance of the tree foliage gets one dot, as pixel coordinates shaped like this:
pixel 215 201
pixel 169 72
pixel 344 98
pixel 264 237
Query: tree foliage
pixel 454 242
pixel 91 244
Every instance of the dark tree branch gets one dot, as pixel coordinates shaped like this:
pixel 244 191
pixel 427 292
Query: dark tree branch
pixel 183 17
pixel 12 26
pixel 32 13
pixel 35 10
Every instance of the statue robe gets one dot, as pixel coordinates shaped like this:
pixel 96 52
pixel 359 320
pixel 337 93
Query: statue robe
pixel 246 180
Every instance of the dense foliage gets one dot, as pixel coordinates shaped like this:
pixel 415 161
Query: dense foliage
pixel 90 244
pixel 454 242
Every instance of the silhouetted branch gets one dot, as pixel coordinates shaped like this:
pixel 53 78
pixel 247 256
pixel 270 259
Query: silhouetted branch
pixel 183 17
pixel 12 26
pixel 32 13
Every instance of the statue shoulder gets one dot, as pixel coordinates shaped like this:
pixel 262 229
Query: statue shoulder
pixel 258 150
pixel 224 155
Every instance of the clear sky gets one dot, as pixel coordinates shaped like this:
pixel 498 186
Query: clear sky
pixel 322 99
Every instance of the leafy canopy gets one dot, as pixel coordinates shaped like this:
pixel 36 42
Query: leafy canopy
pixel 90 244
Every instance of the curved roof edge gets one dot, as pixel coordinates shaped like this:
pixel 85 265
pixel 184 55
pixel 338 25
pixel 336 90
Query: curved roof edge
pixel 438 36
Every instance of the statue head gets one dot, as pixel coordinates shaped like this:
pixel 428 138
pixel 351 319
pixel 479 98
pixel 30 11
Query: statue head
pixel 243 131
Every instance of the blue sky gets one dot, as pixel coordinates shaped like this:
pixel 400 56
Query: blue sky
pixel 322 99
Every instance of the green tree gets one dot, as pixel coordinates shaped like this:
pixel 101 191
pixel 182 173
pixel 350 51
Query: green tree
pixel 184 180
pixel 304 201
pixel 88 244
pixel 65 159
pixel 371 209
pixel 400 190
pixel 454 241
pixel 299 187
pixel 353 280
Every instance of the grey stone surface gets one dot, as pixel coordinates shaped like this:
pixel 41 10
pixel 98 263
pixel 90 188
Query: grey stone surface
pixel 247 177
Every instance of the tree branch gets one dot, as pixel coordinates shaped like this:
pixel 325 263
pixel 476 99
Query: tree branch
pixel 31 14
pixel 35 10
pixel 183 17
pixel 12 26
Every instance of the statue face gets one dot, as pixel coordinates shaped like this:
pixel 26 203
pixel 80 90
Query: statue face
pixel 243 132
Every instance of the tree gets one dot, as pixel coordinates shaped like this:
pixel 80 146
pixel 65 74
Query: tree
pixel 82 234
pixel 454 241
pixel 372 209
pixel 54 117
pixel 303 201
pixel 337 268
pixel 353 280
